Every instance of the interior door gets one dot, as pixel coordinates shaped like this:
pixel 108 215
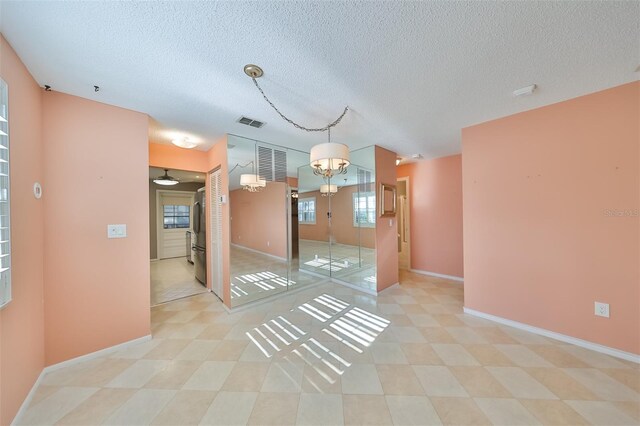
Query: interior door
pixel 174 220
pixel 216 231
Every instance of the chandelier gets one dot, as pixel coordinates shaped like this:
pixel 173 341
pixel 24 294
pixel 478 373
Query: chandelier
pixel 251 182
pixel 328 190
pixel 326 159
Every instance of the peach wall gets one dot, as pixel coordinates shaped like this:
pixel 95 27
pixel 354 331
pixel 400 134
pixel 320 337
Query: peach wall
pixel 386 227
pixel 342 220
pixel 258 218
pixel 96 173
pixel 169 156
pixel 22 321
pixel 217 158
pixel 435 198
pixel 540 242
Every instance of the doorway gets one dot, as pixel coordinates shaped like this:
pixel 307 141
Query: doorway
pixel 404 223
pixel 171 224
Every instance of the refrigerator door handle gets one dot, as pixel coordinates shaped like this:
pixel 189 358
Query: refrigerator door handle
pixel 196 217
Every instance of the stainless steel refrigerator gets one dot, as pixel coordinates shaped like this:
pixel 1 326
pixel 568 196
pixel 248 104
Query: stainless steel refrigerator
pixel 199 238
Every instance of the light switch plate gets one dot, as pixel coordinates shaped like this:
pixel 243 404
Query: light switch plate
pixel 117 231
pixel 602 309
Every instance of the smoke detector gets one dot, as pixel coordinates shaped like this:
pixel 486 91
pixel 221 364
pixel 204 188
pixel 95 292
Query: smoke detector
pixel 250 122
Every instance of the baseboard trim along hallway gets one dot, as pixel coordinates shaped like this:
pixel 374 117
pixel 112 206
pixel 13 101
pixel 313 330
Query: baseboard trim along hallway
pixel 434 274
pixel 557 336
pixel 70 362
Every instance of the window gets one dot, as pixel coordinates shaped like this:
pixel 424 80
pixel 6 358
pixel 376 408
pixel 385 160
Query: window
pixel 307 211
pixel 176 217
pixel 364 209
pixel 5 222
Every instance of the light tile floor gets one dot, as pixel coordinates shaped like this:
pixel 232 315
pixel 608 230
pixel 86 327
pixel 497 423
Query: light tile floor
pixel 331 355
pixel 173 279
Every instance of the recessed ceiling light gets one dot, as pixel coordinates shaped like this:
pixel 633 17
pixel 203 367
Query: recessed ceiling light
pixel 184 143
pixel 525 91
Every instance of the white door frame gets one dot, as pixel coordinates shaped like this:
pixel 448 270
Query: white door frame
pixel 408 218
pixel 160 217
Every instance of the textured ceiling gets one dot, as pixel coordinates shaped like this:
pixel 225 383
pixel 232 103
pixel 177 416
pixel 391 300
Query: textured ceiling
pixel 413 73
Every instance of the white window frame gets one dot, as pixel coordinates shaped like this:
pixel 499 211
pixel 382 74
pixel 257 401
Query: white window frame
pixel 5 199
pixel 355 199
pixel 302 201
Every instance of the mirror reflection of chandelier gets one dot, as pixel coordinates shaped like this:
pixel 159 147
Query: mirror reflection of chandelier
pixel 327 190
pixel 326 159
pixel 251 182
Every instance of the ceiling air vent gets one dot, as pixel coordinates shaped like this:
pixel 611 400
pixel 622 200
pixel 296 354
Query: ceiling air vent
pixel 250 122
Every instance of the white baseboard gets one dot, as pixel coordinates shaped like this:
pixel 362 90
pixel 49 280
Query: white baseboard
pixel 283 259
pixel 73 361
pixel 390 287
pixel 557 336
pixel 28 399
pixel 433 274
pixel 96 354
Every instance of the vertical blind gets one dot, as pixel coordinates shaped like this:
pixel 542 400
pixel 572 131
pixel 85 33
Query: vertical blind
pixel 5 225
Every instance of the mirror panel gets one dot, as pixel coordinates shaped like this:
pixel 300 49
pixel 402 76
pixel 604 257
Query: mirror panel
pixel 313 224
pixel 259 228
pixel 297 227
pixel 341 242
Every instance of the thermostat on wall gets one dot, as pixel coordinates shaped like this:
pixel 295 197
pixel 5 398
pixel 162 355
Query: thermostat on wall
pixel 37 190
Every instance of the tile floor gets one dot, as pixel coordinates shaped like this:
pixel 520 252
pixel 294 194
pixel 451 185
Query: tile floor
pixel 331 355
pixel 173 279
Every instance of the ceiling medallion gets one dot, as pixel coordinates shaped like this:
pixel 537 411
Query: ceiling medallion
pixel 326 159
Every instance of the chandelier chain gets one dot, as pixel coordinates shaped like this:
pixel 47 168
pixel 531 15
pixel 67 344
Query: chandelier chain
pixel 296 125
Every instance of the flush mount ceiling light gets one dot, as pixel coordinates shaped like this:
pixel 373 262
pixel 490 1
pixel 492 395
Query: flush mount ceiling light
pixel 166 180
pixel 326 159
pixel 525 91
pixel 327 190
pixel 184 143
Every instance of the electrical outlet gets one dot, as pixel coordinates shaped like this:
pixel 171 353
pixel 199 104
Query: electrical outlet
pixel 602 309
